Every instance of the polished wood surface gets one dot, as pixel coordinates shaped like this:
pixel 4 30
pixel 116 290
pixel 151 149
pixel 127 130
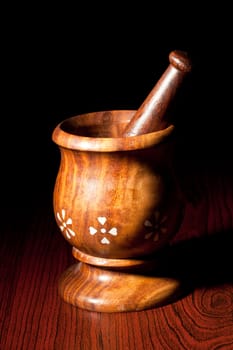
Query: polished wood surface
pixel 34 254
pixel 116 200
pixel 151 115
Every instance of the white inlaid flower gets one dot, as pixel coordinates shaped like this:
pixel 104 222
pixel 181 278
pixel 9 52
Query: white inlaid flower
pixel 64 224
pixel 155 226
pixel 103 229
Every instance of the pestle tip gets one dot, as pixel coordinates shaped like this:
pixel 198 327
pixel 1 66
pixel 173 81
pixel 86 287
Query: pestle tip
pixel 180 60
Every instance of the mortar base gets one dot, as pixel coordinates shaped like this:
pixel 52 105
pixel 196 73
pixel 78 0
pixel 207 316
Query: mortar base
pixel 101 289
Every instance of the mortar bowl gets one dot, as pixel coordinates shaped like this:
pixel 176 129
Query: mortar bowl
pixel 117 204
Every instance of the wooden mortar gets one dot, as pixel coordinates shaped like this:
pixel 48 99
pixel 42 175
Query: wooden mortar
pixel 117 203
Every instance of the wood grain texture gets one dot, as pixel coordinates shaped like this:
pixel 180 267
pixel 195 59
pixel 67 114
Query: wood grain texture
pixel 34 254
pixel 115 199
pixel 123 182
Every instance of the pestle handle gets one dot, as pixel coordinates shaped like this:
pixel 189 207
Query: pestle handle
pixel 150 116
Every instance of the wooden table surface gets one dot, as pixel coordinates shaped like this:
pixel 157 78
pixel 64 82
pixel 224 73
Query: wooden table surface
pixel 34 254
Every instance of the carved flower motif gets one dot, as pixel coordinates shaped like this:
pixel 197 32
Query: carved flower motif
pixel 64 223
pixel 103 230
pixel 155 226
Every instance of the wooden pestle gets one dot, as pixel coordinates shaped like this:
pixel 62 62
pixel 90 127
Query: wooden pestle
pixel 150 116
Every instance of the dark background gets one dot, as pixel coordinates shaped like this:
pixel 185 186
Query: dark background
pixel 59 62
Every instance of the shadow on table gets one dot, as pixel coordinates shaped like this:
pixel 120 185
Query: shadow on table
pixel 200 262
